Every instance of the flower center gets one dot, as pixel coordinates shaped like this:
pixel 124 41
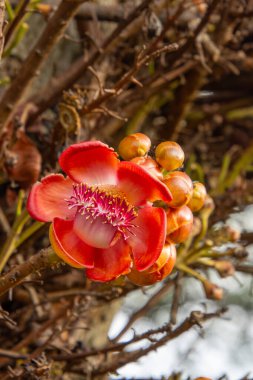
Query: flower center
pixel 106 202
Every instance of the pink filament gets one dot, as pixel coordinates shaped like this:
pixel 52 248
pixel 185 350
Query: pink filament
pixel 109 204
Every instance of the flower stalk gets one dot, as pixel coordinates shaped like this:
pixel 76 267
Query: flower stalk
pixel 10 244
pixel 191 272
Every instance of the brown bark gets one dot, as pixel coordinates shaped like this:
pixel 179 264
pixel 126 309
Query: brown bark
pixel 44 259
pixel 111 13
pixel 14 24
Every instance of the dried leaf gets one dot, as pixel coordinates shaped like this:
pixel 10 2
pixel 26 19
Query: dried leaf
pixel 22 161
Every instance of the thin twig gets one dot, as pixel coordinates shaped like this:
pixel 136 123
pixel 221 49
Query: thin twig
pixel 190 41
pixel 144 309
pixel 196 318
pixel 127 78
pixel 36 333
pixel 4 221
pixel 49 95
pixel 89 11
pixel 15 22
pixel 176 298
pixel 11 354
pixel 244 268
pixel 2 14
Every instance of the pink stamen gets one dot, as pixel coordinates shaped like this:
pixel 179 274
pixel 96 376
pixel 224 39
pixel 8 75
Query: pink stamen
pixel 109 204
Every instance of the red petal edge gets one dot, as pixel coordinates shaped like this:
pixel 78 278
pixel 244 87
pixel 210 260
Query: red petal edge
pixel 68 246
pixel 149 238
pixel 91 162
pixel 111 263
pixel 46 199
pixel 139 186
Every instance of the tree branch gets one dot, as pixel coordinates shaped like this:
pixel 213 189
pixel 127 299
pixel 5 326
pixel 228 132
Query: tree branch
pixel 46 258
pixel 190 41
pixel 51 93
pixel 89 11
pixel 196 318
pixel 145 308
pixel 29 69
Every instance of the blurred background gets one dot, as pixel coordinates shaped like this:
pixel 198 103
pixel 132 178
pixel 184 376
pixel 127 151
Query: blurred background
pixel 100 70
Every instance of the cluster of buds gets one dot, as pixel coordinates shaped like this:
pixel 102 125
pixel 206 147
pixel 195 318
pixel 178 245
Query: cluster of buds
pixel 187 197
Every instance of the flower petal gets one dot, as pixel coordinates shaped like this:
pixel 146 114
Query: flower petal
pixel 68 246
pixel 149 238
pixel 139 186
pixel 111 263
pixel 47 198
pixel 91 162
pixel 94 232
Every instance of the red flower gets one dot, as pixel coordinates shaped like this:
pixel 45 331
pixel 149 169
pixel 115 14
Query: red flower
pixel 102 213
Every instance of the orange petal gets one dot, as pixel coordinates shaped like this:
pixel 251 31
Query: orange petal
pixel 149 238
pixel 68 246
pixel 151 277
pixel 111 263
pixel 168 253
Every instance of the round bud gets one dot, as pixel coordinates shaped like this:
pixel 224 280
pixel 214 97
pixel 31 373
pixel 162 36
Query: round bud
pixel 158 271
pixel 169 155
pixel 149 165
pixel 179 224
pixel 135 145
pixel 198 197
pixel 181 188
pixel 225 268
pixel 213 292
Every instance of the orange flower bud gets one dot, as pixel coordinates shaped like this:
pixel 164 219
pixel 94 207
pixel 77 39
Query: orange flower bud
pixel 179 224
pixel 225 268
pixel 150 165
pixel 213 292
pixel 135 145
pixel 198 197
pixel 44 9
pixel 181 188
pixel 169 155
pixel 158 271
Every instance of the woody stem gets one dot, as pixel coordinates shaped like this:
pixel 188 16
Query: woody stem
pixel 44 259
